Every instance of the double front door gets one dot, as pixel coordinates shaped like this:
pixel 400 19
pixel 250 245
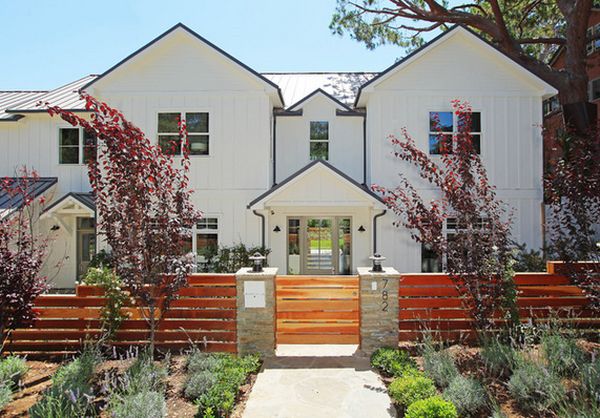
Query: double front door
pixel 319 245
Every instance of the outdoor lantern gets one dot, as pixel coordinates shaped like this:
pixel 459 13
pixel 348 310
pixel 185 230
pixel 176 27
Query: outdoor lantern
pixel 257 259
pixel 377 260
pixel 276 229
pixel 361 229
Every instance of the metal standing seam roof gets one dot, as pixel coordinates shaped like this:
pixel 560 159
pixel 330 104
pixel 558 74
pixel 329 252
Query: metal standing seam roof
pixel 10 99
pixel 36 188
pixel 67 97
pixel 86 199
pixel 342 85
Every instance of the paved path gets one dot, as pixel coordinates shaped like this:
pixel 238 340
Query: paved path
pixel 307 381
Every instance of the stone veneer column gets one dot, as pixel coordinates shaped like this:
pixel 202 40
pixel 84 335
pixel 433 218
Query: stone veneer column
pixel 379 309
pixel 256 325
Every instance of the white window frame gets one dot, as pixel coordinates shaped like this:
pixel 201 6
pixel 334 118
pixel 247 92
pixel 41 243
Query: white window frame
pixel 197 230
pixel 454 129
pixel 182 116
pixel 80 146
pixel 593 45
pixel 327 141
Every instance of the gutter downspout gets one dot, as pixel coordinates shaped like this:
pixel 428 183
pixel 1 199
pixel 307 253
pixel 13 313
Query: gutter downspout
pixel 274 150
pixel 375 229
pixel 365 150
pixel 262 235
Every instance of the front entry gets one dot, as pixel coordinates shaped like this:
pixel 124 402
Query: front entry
pixel 319 245
pixel 86 244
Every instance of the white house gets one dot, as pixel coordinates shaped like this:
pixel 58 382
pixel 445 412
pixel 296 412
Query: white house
pixel 286 159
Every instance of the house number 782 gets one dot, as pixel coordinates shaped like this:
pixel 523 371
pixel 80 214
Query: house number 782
pixel 384 296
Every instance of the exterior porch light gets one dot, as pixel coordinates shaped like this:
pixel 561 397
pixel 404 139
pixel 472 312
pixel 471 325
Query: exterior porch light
pixel 276 229
pixel 257 262
pixel 377 259
pixel 361 229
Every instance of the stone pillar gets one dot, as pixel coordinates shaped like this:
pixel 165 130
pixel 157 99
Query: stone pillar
pixel 256 311
pixel 379 309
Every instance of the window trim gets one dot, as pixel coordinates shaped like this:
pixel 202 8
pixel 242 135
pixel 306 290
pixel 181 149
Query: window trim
pixel 181 113
pixel 454 130
pixel 196 231
pixel 590 90
pixel 80 146
pixel 326 141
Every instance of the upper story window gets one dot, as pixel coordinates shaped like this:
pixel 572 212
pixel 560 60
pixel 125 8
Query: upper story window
pixel 593 45
pixel 319 140
pixel 75 145
pixel 594 90
pixel 443 127
pixel 198 132
pixel 551 105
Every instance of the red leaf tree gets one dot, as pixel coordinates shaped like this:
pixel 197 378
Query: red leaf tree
pixel 478 253
pixel 573 192
pixel 143 204
pixel 22 254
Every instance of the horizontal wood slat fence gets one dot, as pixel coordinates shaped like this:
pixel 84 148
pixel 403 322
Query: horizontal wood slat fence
pixel 431 303
pixel 317 310
pixel 204 313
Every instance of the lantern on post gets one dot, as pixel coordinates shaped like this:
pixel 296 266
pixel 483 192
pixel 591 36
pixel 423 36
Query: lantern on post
pixel 377 259
pixel 257 262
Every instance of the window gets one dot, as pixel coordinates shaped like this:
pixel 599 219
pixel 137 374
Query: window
pixel 552 104
pixel 594 44
pixel 207 234
pixel 431 262
pixel 319 140
pixel 75 146
pixel 443 127
pixel 198 133
pixel 594 89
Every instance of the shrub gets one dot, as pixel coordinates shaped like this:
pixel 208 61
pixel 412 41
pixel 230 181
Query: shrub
pixel 467 395
pixel 199 361
pixel 406 390
pixel 433 407
pixel 146 404
pixel 499 358
pixel 535 388
pixel 111 313
pixel 144 374
pixel 392 362
pixel 199 383
pixel 440 366
pixel 563 355
pixel 229 259
pixel 590 380
pixel 12 369
pixel 5 395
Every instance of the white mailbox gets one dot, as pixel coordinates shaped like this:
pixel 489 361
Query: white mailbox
pixel 254 294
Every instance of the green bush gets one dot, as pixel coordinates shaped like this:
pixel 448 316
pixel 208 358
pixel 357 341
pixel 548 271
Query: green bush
pixel 112 315
pixel 563 355
pixel 499 358
pixel 143 404
pixel 199 361
pixel 12 369
pixel 144 374
pixel 535 388
pixel 393 362
pixel 590 380
pixel 5 395
pixel 439 365
pixel 406 390
pixel 433 407
pixel 199 383
pixel 229 259
pixel 467 395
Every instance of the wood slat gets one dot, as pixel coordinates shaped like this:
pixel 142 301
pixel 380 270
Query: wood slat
pixel 53 346
pixel 317 293
pixel 302 315
pixel 207 291
pixel 540 291
pixel 317 305
pixel 142 335
pixel 317 327
pixel 212 280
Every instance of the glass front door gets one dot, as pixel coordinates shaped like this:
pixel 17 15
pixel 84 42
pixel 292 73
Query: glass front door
pixel 319 245
pixel 86 244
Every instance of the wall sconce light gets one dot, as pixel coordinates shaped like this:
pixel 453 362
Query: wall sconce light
pixel 54 228
pixel 276 229
pixel 361 229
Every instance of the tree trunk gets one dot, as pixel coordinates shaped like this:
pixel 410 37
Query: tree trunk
pixel 152 324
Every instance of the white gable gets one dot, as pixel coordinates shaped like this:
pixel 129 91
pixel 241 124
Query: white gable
pixel 459 61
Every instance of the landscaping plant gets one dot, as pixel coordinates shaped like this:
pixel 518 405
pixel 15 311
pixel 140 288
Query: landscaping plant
pixel 229 259
pixel 439 365
pixel 433 407
pixel 23 251
pixel 143 202
pixel 479 251
pixel 12 369
pixel 499 358
pixel 467 394
pixel 406 390
pixel 5 395
pixel 535 388
pixel 393 362
pixel 563 356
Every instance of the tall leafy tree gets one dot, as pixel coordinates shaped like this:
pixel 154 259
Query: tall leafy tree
pixel 528 31
pixel 143 205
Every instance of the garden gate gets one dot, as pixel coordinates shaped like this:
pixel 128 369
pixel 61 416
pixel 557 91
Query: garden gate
pixel 317 310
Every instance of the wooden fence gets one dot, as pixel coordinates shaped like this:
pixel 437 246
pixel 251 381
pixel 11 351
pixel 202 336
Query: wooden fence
pixel 430 302
pixel 204 313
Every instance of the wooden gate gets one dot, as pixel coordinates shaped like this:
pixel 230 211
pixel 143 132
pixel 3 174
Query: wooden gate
pixel 317 309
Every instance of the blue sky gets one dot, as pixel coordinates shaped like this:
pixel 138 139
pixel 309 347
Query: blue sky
pixel 49 43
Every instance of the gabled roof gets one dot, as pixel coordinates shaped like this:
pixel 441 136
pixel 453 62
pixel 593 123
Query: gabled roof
pixel 317 92
pixel 181 26
pixel 36 187
pixel 429 45
pixel 67 97
pixel 10 99
pixel 341 85
pixel 85 199
pixel 308 168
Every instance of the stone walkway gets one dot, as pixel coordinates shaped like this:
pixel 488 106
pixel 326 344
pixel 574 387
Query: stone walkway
pixel 318 381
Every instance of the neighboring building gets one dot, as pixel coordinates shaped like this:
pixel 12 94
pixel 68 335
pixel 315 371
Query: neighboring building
pixel 287 158
pixel 553 120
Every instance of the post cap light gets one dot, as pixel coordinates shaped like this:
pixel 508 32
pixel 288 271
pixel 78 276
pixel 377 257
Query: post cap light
pixel 257 260
pixel 377 259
